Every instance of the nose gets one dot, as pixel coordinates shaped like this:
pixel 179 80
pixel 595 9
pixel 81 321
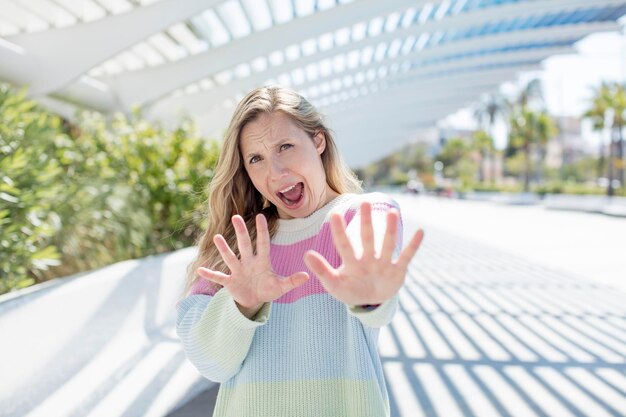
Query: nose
pixel 277 169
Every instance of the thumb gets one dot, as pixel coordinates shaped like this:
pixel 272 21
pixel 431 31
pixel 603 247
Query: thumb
pixel 293 281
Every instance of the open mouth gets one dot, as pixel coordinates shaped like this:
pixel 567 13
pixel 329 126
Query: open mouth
pixel 292 196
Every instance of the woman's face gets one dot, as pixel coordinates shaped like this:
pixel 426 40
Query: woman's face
pixel 284 164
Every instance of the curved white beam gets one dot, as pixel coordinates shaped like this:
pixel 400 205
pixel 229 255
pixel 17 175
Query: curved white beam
pixel 203 68
pixel 201 100
pixel 456 67
pixel 66 53
pixel 364 143
pixel 407 116
pixel 410 84
pixel 482 78
pixel 139 87
pixel 397 105
pixel 214 121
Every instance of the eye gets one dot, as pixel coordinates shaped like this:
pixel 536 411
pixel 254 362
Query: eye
pixel 285 146
pixel 254 159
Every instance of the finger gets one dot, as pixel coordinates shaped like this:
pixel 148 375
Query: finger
pixel 367 230
pixel 342 243
pixel 243 237
pixel 262 236
pixel 321 268
pixel 227 254
pixel 391 236
pixel 213 276
pixel 408 252
pixel 293 281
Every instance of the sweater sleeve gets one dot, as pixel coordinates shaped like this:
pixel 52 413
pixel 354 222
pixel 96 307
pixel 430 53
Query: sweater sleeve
pixel 215 335
pixel 381 203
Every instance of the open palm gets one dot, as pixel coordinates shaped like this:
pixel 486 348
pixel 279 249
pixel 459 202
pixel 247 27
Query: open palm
pixel 252 280
pixel 373 277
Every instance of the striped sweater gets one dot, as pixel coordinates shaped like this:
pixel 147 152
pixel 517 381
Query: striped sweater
pixel 306 353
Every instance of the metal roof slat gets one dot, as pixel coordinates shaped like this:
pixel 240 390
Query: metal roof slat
pixel 248 16
pixel 258 14
pixel 282 11
pixel 130 61
pixel 303 7
pixel 234 19
pixel 215 30
pixel 67 9
pixel 394 48
pixel 408 17
pixel 392 21
pixel 149 54
pixel 409 43
pixel 312 72
pixel 92 11
pixel 12 20
pixel 222 22
pixel 472 5
pixel 375 26
pixel 182 34
pixel 27 20
pixel 325 4
pixel 341 37
pixel 106 6
pixel 459 6
pixel 167 46
pixel 177 50
pixel 380 51
pixel 69 6
pixel 46 10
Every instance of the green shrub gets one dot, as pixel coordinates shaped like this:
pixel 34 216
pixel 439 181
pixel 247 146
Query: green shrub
pixel 78 197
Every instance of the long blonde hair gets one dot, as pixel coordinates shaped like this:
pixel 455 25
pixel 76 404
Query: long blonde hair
pixel 231 191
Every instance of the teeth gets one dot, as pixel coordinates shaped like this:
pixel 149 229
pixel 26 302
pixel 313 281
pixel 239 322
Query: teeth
pixel 287 189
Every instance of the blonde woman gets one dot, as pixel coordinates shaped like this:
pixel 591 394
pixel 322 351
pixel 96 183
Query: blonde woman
pixel 297 271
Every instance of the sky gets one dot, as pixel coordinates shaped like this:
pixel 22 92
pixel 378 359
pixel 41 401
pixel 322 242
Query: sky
pixel 568 81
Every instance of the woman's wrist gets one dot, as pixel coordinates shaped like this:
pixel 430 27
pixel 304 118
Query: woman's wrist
pixel 249 312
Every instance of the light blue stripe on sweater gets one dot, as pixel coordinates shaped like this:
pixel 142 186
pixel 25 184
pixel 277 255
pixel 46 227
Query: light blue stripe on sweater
pixel 331 344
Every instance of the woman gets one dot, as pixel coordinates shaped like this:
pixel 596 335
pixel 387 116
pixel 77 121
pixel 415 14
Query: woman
pixel 296 272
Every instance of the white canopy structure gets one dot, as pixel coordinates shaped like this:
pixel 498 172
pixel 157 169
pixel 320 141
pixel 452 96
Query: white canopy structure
pixel 379 69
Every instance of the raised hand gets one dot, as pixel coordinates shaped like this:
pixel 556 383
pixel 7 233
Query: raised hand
pixel 251 282
pixel 371 278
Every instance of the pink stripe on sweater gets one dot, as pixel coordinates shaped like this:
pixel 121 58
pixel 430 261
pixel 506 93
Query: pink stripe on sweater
pixel 289 259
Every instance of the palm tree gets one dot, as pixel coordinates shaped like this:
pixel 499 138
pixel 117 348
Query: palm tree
pixel 530 130
pixel 619 119
pixel 489 109
pixel 608 109
pixel 532 92
pixel 483 143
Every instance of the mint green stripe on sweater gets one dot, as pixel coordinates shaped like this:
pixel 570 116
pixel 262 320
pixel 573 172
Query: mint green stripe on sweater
pixel 321 398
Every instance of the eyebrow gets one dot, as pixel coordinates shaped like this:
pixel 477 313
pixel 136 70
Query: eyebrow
pixel 278 142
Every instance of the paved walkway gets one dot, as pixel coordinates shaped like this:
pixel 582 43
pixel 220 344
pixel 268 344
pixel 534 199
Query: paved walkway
pixel 482 332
